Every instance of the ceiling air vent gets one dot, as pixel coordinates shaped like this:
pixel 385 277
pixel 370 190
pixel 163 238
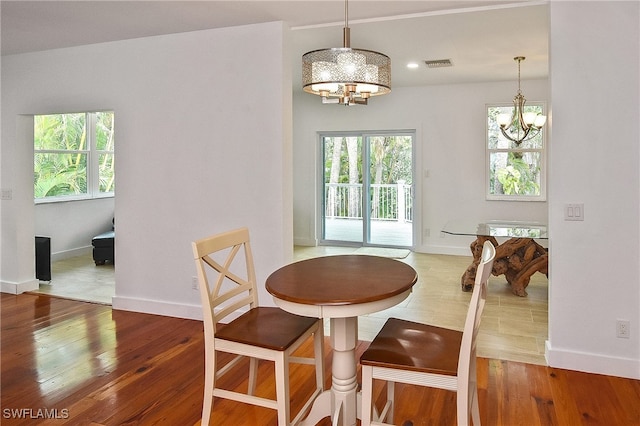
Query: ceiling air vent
pixel 438 63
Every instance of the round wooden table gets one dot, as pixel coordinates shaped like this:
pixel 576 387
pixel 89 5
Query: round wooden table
pixel 340 288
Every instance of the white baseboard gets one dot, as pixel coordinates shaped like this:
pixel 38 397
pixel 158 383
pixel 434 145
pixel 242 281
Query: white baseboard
pixel 592 363
pixel 67 254
pixel 157 307
pixel 424 248
pixel 18 288
pixel 448 250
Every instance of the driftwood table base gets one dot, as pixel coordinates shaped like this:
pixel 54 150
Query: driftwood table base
pixel 516 258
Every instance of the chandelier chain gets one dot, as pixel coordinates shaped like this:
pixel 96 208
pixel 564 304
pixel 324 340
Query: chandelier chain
pixel 519 59
pixel 519 92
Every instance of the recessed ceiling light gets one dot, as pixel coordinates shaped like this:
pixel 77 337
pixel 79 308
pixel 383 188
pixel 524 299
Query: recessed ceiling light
pixel 412 65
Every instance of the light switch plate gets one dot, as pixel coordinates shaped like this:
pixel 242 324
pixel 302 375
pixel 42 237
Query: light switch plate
pixel 574 211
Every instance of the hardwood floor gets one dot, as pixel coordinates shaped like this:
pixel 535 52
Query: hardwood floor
pixel 89 365
pixel 513 328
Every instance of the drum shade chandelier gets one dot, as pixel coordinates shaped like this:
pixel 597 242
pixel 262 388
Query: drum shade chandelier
pixel 342 75
pixel 520 126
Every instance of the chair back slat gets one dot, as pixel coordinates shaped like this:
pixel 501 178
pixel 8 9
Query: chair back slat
pixel 474 313
pixel 230 308
pixel 223 299
pixel 224 270
pixel 226 275
pixel 222 241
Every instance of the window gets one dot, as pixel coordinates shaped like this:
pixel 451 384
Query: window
pixel 73 156
pixel 515 172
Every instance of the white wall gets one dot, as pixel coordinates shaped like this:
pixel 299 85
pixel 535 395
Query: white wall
pixel 450 124
pixel 71 225
pixel 203 145
pixel 595 264
pixel 594 154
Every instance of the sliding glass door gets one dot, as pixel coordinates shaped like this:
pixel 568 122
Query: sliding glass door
pixel 367 196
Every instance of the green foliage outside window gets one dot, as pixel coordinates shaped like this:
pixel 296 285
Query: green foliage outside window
pixel 516 171
pixel 518 178
pixel 105 146
pixel 71 152
pixel 390 163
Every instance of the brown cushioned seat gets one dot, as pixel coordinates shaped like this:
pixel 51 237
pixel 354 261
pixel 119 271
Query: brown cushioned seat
pixel 416 347
pixel 267 327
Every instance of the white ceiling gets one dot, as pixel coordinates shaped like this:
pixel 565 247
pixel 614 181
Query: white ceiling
pixel 480 37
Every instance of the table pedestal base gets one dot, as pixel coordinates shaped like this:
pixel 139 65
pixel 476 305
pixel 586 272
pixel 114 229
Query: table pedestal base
pixel 341 403
pixel 517 259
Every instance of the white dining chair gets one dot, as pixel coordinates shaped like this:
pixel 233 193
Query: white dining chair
pixel 425 355
pixel 227 281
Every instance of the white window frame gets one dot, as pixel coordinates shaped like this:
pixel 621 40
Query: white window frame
pixel 93 167
pixel 543 159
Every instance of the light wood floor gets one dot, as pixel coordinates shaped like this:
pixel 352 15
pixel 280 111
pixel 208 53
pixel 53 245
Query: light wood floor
pixel 79 278
pixel 89 365
pixel 513 328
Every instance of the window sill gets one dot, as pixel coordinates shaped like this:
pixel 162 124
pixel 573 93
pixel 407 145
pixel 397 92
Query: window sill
pixel 67 199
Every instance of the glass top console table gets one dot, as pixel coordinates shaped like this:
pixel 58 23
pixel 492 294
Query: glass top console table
pixel 519 257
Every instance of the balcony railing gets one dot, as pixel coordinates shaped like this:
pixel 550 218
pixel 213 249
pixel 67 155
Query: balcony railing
pixel 392 202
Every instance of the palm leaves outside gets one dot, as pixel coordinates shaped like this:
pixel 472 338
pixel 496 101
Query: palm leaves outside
pixel 62 153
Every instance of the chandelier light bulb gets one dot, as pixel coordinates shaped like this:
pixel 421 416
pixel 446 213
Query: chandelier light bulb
pixel 529 118
pixel 540 120
pixel 370 88
pixel 503 119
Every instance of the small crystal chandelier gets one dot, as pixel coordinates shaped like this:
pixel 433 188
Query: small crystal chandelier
pixel 520 126
pixel 343 75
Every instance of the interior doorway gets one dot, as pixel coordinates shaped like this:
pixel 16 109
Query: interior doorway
pixel 74 199
pixel 367 188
